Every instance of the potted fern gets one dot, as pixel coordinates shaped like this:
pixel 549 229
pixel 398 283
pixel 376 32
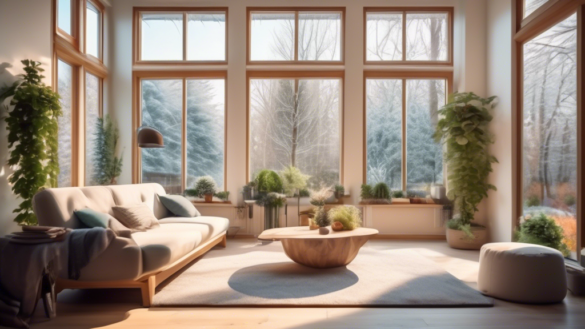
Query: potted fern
pixel 463 129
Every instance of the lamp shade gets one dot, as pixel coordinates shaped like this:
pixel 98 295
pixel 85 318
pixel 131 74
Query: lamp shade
pixel 149 137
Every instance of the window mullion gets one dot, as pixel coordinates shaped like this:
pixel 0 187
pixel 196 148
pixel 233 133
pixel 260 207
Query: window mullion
pixel 404 134
pixel 297 35
pixel 185 36
pixel 403 36
pixel 184 139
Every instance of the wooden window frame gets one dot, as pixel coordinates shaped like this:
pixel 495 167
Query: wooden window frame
pixel 295 10
pixel 67 49
pixel 332 74
pixel 405 11
pixel 101 11
pixel 524 30
pixel 137 77
pixel 137 34
pixel 403 76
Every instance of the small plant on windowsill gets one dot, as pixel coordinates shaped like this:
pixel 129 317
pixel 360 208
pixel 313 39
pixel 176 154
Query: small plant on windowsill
pixel 463 129
pixel 223 196
pixel 204 188
pixel 378 194
pixel 339 191
pixel 293 180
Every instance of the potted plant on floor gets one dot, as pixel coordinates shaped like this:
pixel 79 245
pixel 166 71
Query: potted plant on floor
pixel 270 187
pixel 463 129
pixel 204 187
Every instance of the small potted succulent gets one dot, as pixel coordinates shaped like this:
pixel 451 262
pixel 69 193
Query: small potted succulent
pixel 399 197
pixel 339 191
pixel 204 187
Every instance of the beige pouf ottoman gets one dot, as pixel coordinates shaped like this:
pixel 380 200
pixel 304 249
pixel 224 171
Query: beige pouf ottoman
pixel 523 273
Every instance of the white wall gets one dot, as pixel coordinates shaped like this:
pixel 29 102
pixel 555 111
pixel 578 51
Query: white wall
pixel 25 33
pixel 470 48
pixel 499 83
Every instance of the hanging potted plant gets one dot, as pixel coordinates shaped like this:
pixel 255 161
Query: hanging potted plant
pixel 463 129
pixel 204 188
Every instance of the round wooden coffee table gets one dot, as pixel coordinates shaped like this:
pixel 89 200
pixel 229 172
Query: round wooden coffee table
pixel 309 248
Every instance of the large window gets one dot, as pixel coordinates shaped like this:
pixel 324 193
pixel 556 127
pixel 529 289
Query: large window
pixel 190 114
pixel 531 6
pixel 78 74
pixel 398 35
pixel 181 35
pixel 292 35
pixel 296 121
pixel 93 110
pixel 65 88
pixel 401 116
pixel 549 128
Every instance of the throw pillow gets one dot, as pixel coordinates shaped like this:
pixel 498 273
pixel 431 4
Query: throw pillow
pixel 137 217
pixel 179 205
pixel 92 218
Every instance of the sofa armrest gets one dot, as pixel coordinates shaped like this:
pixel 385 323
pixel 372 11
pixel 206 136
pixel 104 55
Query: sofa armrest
pixel 122 260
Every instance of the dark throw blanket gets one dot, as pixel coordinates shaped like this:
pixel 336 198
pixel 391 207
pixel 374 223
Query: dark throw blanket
pixel 25 269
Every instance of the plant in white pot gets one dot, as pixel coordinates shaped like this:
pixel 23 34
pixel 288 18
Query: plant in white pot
pixel 463 128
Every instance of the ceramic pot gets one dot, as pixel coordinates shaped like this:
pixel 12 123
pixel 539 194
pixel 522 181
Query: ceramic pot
pixel 337 226
pixel 459 240
pixel 323 230
pixel 208 197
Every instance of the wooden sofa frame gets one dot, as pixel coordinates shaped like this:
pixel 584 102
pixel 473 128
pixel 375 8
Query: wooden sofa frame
pixel 147 283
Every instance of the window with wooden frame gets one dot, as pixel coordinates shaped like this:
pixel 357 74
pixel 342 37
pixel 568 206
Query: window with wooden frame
pixel 400 118
pixel 78 76
pixel 548 121
pixel 408 35
pixel 282 35
pixel 296 119
pixel 180 35
pixel 189 109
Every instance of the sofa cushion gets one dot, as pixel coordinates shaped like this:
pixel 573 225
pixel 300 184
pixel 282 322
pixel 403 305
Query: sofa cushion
pixel 138 217
pixel 141 193
pixel 210 227
pixel 179 205
pixel 92 218
pixel 119 228
pixel 164 245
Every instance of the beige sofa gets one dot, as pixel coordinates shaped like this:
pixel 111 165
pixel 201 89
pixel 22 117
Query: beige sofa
pixel 147 258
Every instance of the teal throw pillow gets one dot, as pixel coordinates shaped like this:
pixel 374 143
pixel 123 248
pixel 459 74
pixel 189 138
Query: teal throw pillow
pixel 92 218
pixel 179 205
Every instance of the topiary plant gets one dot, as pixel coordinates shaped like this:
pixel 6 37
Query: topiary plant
pixel 32 137
pixel 107 165
pixel 204 185
pixel 268 181
pixel 463 128
pixel 381 191
pixel 348 216
pixel 542 230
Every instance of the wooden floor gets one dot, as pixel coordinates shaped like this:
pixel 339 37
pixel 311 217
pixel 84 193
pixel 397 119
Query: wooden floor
pixel 117 308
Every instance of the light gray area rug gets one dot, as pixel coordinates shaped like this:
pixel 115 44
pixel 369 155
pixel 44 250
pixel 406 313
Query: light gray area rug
pixel 262 275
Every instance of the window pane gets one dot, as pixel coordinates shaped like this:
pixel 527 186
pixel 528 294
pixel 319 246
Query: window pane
pixel 92 35
pixel 424 158
pixel 206 37
pixel 92 113
pixel 319 36
pixel 65 90
pixel 426 37
pixel 550 126
pixel 531 5
pixel 296 128
pixel 273 36
pixel 384 36
pixel 64 15
pixel 162 109
pixel 162 37
pixel 384 132
pixel 205 130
